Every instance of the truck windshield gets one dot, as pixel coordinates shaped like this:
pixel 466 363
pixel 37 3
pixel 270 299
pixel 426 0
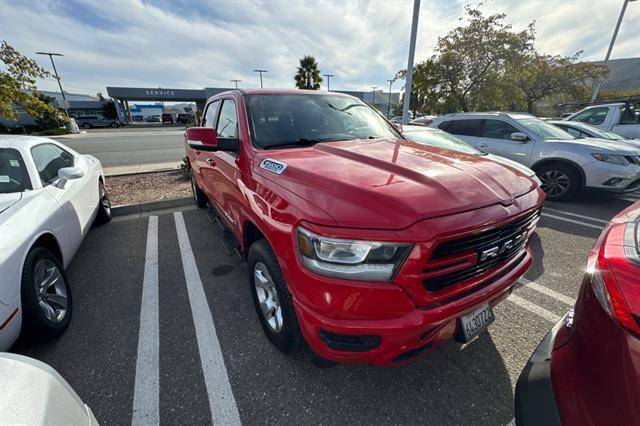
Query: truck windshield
pixel 290 120
pixel 13 174
pixel 544 129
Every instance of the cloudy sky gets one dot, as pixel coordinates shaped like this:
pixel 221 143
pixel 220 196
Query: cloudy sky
pixel 192 44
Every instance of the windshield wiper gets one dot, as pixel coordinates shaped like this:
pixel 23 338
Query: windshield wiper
pixel 298 142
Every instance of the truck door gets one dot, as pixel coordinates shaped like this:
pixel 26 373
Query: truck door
pixel 203 166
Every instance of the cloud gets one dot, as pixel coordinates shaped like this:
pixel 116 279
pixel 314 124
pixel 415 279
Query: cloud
pixel 184 44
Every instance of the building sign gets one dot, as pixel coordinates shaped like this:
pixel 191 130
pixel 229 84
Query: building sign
pixel 160 92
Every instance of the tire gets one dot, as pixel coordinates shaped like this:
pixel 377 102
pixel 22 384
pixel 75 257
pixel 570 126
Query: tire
pixel 559 181
pixel 114 125
pixel 283 331
pixel 37 323
pixel 86 125
pixel 104 207
pixel 198 195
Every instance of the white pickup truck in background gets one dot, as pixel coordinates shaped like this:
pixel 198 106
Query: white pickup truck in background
pixel 621 118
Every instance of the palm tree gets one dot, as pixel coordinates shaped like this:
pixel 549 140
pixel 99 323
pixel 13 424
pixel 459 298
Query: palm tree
pixel 308 76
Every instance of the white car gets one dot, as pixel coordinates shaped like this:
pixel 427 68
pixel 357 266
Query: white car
pixel 50 196
pixel 438 138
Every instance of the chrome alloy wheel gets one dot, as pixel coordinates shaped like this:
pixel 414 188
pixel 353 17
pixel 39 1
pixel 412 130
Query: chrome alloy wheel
pixel 51 291
pixel 104 200
pixel 267 297
pixel 555 183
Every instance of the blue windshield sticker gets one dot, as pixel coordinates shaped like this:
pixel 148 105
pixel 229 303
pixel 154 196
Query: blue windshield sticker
pixel 274 166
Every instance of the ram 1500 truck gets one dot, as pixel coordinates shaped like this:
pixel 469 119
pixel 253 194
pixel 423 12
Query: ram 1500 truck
pixel 619 118
pixel 365 246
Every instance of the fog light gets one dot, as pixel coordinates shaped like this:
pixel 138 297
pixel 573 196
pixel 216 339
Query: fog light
pixel 612 182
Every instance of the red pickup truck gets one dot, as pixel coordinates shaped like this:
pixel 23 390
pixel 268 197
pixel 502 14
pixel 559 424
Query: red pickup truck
pixel 365 246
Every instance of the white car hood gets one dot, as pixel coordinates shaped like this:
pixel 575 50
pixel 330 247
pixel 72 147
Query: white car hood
pixel 7 200
pixel 605 145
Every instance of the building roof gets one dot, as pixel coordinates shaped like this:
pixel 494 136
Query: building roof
pixel 624 74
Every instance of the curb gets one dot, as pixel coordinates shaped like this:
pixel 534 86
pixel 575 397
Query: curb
pixel 145 172
pixel 139 209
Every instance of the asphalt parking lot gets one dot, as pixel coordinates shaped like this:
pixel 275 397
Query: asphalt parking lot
pixel 164 330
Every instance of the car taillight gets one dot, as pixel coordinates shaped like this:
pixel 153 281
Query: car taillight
pixel 614 265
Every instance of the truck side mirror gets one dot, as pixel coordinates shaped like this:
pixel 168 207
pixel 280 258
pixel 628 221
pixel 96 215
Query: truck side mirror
pixel 202 138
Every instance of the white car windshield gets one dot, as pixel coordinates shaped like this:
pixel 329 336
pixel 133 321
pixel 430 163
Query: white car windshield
pixel 291 120
pixel 441 139
pixel 544 129
pixel 13 174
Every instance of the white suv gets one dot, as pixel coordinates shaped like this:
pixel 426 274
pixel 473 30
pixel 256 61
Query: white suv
pixel 564 164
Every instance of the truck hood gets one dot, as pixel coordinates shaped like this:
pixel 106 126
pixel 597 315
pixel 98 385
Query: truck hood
pixel 8 200
pixel 391 184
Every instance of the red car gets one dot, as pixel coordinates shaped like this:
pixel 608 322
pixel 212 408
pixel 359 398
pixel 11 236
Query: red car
pixel 368 247
pixel 586 371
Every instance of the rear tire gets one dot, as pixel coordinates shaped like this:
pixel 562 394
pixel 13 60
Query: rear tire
pixel 559 181
pixel 86 125
pixel 114 125
pixel 198 195
pixel 104 207
pixel 47 305
pixel 272 300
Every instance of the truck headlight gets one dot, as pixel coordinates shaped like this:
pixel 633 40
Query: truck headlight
pixel 620 160
pixel 358 260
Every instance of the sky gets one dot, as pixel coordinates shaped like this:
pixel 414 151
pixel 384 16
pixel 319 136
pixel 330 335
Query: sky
pixel 190 44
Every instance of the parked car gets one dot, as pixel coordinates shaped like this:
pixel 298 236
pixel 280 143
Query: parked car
pixel 137 118
pixel 425 120
pixel 89 121
pixel 184 118
pixel 620 118
pixel 49 198
pixel 438 138
pixel 152 119
pixel 33 393
pixel 583 130
pixel 587 369
pixel 565 165
pixel 333 211
pixel 167 118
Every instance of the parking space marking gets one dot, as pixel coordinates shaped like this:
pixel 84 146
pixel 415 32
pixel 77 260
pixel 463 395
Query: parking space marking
pixel 221 400
pixel 532 307
pixel 593 219
pixel 547 291
pixel 146 397
pixel 577 222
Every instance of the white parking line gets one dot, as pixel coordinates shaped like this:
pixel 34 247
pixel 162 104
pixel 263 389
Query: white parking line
pixel 532 307
pixel 221 401
pixel 593 219
pixel 577 222
pixel 548 292
pixel 146 400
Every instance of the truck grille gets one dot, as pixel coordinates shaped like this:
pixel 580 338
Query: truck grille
pixel 461 259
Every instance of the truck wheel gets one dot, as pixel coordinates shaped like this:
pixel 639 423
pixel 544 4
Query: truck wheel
pixel 198 196
pixel 559 182
pixel 46 297
pixel 272 299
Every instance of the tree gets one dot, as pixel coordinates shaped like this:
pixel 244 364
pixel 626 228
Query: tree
pixel 541 76
pixel 18 86
pixel 109 110
pixel 51 118
pixel 308 76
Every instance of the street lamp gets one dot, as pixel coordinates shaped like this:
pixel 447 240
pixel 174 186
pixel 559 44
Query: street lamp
pixel 412 51
pixel 328 80
pixel 374 95
pixel 236 82
pixel 594 95
pixel 55 71
pixel 389 104
pixel 260 71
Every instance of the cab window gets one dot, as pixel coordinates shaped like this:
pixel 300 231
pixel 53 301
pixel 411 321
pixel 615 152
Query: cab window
pixel 49 159
pixel 496 129
pixel 209 117
pixel 594 116
pixel 227 127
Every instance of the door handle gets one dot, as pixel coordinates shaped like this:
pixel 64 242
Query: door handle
pixel 483 145
pixel 211 162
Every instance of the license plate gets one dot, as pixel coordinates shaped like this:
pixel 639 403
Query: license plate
pixel 475 322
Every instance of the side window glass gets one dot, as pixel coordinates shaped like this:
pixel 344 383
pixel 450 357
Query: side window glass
pixel 228 120
pixel 49 159
pixel 464 127
pixel 209 118
pixel 496 129
pixel 593 116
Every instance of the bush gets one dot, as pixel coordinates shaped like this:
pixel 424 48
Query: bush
pixel 52 132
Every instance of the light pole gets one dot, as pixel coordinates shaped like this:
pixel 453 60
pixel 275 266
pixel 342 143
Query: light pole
pixel 328 80
pixel 594 95
pixel 236 82
pixel 374 95
pixel 412 52
pixel 55 71
pixel 260 71
pixel 389 103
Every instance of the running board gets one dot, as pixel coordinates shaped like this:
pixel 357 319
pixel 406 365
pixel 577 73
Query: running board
pixel 229 242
